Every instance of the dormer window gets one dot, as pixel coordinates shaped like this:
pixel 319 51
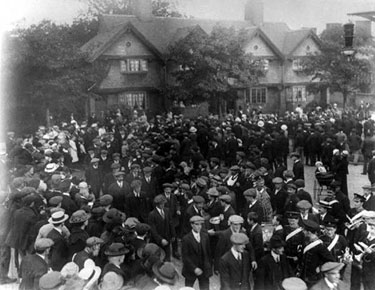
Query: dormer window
pixel 133 66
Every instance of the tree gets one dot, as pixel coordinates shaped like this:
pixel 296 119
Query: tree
pixel 211 66
pixel 331 66
pixel 164 8
pixel 44 69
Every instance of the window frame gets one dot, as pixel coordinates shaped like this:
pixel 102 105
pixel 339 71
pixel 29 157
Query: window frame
pixel 134 66
pixel 130 98
pixel 256 95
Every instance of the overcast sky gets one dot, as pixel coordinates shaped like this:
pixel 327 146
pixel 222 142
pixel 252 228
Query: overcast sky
pixel 296 13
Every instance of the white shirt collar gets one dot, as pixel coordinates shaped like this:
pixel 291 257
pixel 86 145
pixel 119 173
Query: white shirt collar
pixel 196 236
pixel 235 253
pixel 329 284
pixel 275 256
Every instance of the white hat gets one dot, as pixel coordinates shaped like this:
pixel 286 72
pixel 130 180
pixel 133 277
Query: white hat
pixel 58 217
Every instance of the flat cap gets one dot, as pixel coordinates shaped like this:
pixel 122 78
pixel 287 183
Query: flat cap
pixel 29 199
pixel 250 192
pixel 115 166
pixel 167 185
pixel 185 186
pixel 215 160
pixel 310 226
pixel 92 241
pixel 304 204
pixel 114 216
pixel 119 173
pixel 94 160
pixel 292 215
pixel 105 200
pixel 135 165
pixel 51 280
pixel 147 169
pixel 201 182
pixel 213 191
pixel 54 201
pixel 299 183
pixel 239 239
pixel 160 199
pixel 236 219
pixel 226 198
pixel 331 266
pixel 293 283
pixel 291 185
pixel 198 199
pixel 98 211
pixel 196 219
pixel 43 244
pixel 295 154
pixel 241 154
pixel 235 168
pixel 142 228
pixel 277 180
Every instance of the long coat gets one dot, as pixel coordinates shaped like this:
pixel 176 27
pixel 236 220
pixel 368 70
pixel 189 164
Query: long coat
pixel 196 255
pixel 160 228
pixel 32 268
pixel 234 274
pixel 119 195
pixel 137 207
pixel 270 274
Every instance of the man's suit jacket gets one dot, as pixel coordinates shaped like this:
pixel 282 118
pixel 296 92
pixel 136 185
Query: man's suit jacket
pixel 108 179
pixel 278 201
pixel 137 207
pixel 270 274
pixel 234 274
pixel 32 268
pixel 257 208
pixel 196 255
pixel 298 170
pixel 190 212
pixel 322 285
pixel 119 194
pixel 59 253
pixel 160 228
pixel 151 188
pixel 224 223
pixel 256 240
pixel 173 205
pixel 370 203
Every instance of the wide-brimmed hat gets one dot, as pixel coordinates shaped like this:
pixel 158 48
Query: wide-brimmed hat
pixel 165 272
pixel 116 249
pixel 114 216
pixel 58 217
pixel 51 167
pixel 151 250
pixel 79 216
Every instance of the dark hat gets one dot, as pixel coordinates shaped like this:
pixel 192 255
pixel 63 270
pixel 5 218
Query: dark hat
pixel 115 166
pixel 98 211
pixel 224 170
pixel 119 173
pixel 18 181
pixel 51 280
pixel 331 266
pixel 64 185
pixel 226 198
pixel 310 226
pixel 58 217
pixel 250 165
pixel 293 283
pixel 160 199
pixel 151 250
pixel 105 200
pixel 185 186
pixel 295 154
pixel 276 242
pixel 142 228
pixel 215 160
pixel 198 199
pixel 43 244
pixel 324 203
pixel 135 165
pixel 291 185
pixel 235 168
pixel 116 249
pixel 335 183
pixel 79 216
pixel 29 199
pixel 299 183
pixel 165 272
pixel 114 216
pixel 359 196
pixel 116 155
pixel 196 219
pixel 241 154
pixel 239 239
pixel 34 182
pixel 103 151
pixel 292 215
pixel 92 241
pixel 330 222
pixel 250 192
pixel 304 204
pixel 167 185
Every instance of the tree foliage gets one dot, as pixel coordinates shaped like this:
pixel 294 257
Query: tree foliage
pixel 331 66
pixel 214 65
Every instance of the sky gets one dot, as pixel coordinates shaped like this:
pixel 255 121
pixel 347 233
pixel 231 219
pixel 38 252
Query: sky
pixel 296 13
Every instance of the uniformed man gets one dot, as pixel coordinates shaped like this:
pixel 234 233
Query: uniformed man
pixel 294 239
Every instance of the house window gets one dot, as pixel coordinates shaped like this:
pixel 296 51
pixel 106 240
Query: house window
pixel 257 96
pixel 297 64
pixel 299 94
pixel 133 66
pixel 266 64
pixel 133 99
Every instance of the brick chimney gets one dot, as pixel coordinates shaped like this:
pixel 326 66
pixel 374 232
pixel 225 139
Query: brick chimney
pixel 254 10
pixel 142 9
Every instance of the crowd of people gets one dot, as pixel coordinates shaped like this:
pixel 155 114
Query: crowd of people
pixel 114 203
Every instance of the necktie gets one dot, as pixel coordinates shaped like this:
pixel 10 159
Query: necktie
pixel 239 258
pixel 162 214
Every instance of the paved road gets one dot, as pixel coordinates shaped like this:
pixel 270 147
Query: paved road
pixel 355 182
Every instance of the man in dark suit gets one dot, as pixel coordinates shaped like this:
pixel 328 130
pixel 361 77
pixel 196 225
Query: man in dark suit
pixel 235 265
pixel 304 207
pixel 278 196
pixel 162 230
pixel 136 204
pixel 371 169
pixel 110 178
pixel 298 168
pixel 193 209
pixel 196 256
pixel 59 251
pixel 119 191
pixel 149 184
pixel 94 177
pixel 35 266
pixel 273 267
pixel 369 196
pixel 255 234
pixel 228 210
pixel 104 162
pixel 252 205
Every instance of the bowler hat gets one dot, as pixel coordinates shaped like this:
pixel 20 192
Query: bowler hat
pixel 165 272
pixel 151 250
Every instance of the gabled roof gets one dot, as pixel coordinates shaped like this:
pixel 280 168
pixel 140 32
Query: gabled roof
pixel 159 32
